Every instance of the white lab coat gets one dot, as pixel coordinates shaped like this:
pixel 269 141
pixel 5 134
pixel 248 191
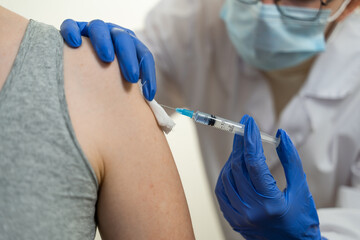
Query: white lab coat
pixel 198 67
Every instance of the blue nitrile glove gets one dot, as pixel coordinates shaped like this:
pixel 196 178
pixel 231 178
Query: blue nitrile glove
pixel 135 59
pixel 249 198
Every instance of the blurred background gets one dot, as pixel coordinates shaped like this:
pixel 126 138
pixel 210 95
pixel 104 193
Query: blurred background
pixel 183 140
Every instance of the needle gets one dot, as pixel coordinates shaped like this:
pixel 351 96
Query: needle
pixel 168 107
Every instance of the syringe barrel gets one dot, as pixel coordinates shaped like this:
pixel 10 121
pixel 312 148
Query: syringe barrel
pixel 218 122
pixel 229 126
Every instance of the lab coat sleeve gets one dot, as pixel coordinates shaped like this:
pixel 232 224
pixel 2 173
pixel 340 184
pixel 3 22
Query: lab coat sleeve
pixel 339 223
pixel 355 174
pixel 349 196
pixel 175 32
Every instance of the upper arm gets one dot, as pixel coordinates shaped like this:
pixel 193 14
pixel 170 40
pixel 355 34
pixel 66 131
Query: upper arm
pixel 140 196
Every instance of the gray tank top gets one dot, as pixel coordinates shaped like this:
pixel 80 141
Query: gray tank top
pixel 48 189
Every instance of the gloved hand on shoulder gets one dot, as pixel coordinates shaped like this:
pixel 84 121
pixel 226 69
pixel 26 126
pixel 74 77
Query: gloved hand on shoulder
pixel 135 59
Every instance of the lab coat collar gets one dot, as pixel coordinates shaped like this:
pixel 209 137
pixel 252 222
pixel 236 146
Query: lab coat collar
pixel 334 76
pixel 336 72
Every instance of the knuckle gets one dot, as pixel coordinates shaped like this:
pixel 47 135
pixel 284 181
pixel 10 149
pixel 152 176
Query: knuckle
pixel 253 217
pixel 130 32
pixel 268 211
pixel 122 31
pixel 148 57
pixel 96 22
pixel 118 30
pixel 96 25
pixel 118 33
pixel 219 188
pixel 68 21
pixel 253 164
pixel 273 209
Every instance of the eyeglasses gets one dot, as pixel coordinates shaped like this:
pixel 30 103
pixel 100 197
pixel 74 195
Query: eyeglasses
pixel 289 8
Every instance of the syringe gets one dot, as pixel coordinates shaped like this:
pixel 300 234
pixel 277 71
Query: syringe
pixel 222 124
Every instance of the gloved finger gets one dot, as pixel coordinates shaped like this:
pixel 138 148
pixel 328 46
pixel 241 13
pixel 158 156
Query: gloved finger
pixel 236 198
pixel 237 164
pixel 83 28
pixel 231 214
pixel 112 25
pixel 71 33
pixel 241 179
pixel 126 54
pixel 259 173
pixel 148 76
pixel 100 38
pixel 147 69
pixel 290 160
pixel 238 144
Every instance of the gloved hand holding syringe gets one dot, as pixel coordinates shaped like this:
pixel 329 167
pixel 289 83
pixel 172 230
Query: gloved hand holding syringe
pixel 221 123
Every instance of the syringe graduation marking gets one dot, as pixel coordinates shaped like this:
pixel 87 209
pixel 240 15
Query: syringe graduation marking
pixel 212 120
pixel 221 123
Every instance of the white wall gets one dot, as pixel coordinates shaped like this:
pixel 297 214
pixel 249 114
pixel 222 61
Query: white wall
pixel 182 140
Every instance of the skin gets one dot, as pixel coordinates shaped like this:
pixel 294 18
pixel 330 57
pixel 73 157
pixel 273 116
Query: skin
pixel 332 5
pixel 349 9
pixel 140 193
pixel 10 41
pixel 141 196
pixel 278 85
pixel 101 129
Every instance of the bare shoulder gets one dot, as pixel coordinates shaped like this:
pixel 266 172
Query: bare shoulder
pixel 141 196
pixel 97 96
pixel 12 30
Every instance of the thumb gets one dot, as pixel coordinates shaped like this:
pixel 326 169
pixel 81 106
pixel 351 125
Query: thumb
pixel 290 160
pixel 259 172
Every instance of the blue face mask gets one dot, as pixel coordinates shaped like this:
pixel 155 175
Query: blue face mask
pixel 269 41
